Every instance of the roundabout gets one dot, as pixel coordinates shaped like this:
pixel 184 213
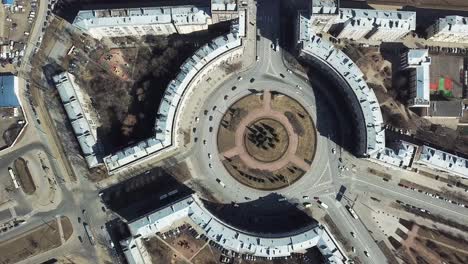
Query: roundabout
pixel 266 140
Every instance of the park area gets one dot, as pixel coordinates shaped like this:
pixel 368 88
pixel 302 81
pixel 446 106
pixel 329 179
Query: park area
pixel 426 245
pixel 266 140
pixel 36 241
pixel 127 77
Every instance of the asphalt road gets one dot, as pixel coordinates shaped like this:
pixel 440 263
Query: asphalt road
pixel 323 179
pixel 76 197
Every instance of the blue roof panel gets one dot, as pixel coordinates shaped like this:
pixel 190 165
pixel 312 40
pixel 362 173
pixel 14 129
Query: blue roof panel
pixel 7 92
pixel 8 2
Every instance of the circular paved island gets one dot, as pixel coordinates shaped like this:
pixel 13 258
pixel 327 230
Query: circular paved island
pixel 266 140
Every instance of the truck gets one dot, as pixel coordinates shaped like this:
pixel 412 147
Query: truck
pixel 322 204
pixel 13 177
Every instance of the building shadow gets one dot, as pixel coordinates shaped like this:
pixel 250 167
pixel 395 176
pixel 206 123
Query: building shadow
pixel 144 193
pixel 268 215
pixel 392 52
pixel 337 118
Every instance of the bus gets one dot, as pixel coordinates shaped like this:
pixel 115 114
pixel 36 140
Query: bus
pixel 352 212
pixel 13 177
pixel 322 204
pixel 89 233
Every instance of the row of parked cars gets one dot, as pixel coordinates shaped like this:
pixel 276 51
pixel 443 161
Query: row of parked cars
pixel 436 195
pixel 447 50
pixel 412 206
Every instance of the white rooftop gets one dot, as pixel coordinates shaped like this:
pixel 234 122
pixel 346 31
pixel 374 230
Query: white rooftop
pixel 223 5
pixel 454 24
pixel 192 210
pixel 444 161
pixel 419 60
pixel 380 18
pixel 323 50
pixel 66 87
pixel 170 102
pixel 399 153
pixel 324 7
pixel 180 15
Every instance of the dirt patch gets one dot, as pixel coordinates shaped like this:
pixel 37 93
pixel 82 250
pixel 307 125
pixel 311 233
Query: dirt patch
pixel 302 123
pixel 387 252
pixel 336 232
pixel 98 174
pixel 180 172
pixel 11 133
pixel 115 62
pixel 276 140
pixel 67 227
pixel 24 176
pixel 207 255
pixel 380 173
pixel 161 253
pixel 34 242
pixel 426 245
pixel 232 118
pixel 186 244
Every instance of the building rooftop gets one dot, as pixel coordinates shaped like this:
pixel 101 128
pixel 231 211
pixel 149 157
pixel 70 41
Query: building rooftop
pixel 66 88
pixel 380 18
pixel 398 153
pixel 350 72
pixel 223 5
pixel 8 2
pixel 444 161
pixel 454 24
pixel 446 108
pixel 179 15
pixel 192 210
pixel 170 102
pixel 8 91
pixel 419 60
pixel 324 7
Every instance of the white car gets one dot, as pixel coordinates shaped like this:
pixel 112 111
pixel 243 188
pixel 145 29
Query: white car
pixel 209 155
pixel 257 58
pixel 366 253
pixel 305 197
pixel 353 234
pixel 209 165
pixel 239 78
pixel 333 151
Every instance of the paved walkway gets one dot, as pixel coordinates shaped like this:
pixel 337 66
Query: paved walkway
pixel 266 112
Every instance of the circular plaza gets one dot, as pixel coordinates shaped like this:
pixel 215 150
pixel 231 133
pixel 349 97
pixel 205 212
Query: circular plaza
pixel 266 140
